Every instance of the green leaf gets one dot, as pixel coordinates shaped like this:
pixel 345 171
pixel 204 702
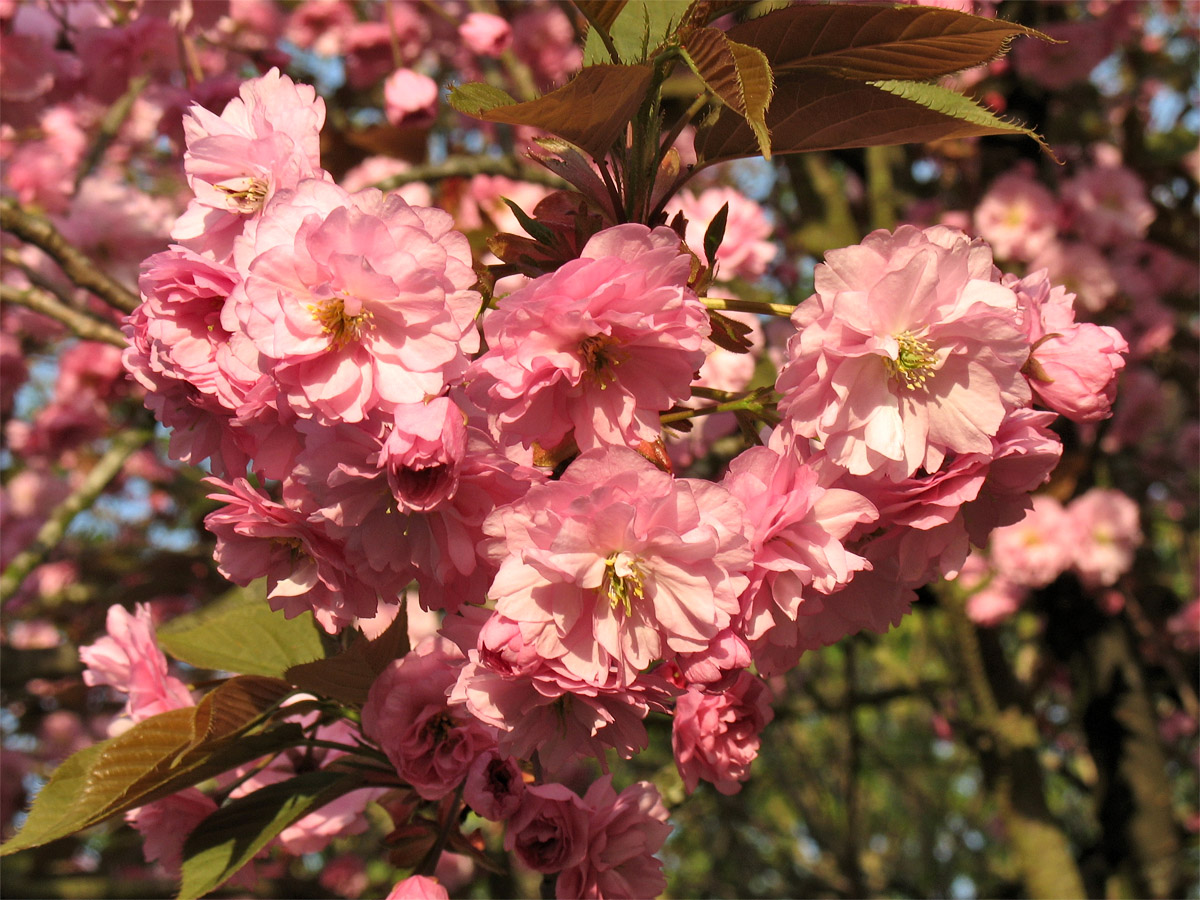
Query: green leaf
pixel 241 633
pixel 871 43
pixel 348 676
pixel 640 27
pixel 156 757
pixel 600 15
pixel 737 73
pixel 230 837
pixel 816 111
pixel 477 98
pixel 539 232
pixel 591 111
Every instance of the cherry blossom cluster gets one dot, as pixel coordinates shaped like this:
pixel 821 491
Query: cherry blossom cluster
pixel 321 350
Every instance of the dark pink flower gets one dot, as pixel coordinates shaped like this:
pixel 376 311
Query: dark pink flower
pixel 485 34
pixel 715 735
pixel 494 786
pixel 550 831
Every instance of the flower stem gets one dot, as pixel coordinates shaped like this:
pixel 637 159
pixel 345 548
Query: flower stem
pixel 782 310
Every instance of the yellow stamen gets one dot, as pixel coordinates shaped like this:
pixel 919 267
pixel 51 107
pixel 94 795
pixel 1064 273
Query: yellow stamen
pixel 622 582
pixel 913 363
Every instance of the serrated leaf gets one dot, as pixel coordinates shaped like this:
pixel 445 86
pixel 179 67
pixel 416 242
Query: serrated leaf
pixel 156 757
pixel 241 633
pixel 591 111
pixel 872 43
pixel 230 837
pixel 477 98
pixel 600 15
pixel 737 73
pixel 815 111
pixel 348 676
pixel 639 27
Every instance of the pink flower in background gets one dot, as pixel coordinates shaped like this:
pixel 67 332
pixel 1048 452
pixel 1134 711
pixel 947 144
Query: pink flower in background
pixel 417 887
pixel 128 659
pixel 909 351
pixel 410 98
pixel 715 736
pixel 485 34
pixel 992 598
pixel 544 39
pixel 596 349
pixel 746 249
pixel 618 564
pixel 1106 534
pixel 166 824
pixel 1018 217
pixel 1082 270
pixel 625 831
pixel 431 743
pixel 550 831
pixel 1036 550
pixel 1107 205
pixel 355 301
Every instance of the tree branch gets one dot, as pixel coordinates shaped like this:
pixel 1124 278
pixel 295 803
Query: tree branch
pixel 76 265
pixel 106 469
pixel 84 325
pixel 466 166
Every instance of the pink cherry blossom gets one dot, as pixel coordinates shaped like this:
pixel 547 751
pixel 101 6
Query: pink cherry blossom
pixel 356 302
pixel 1107 205
pixel 128 659
pixel 909 351
pixel 410 98
pixel 596 349
pixel 1081 269
pixel 1036 550
pixel 715 736
pixel 549 832
pixel 485 34
pixel 618 564
pixel 1106 533
pixel 165 825
pixel 625 831
pixel 494 786
pixel 265 140
pixel 423 453
pixel 431 743
pixel 1018 217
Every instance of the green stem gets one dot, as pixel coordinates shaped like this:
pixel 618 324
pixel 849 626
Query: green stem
pixel 783 310
pixel 747 403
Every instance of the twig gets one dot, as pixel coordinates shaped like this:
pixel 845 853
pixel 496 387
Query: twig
pixel 106 469
pixel 782 310
pixel 76 265
pixel 84 325
pixel 466 166
pixel 110 125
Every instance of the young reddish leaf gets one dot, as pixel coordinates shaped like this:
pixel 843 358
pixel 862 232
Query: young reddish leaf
pixel 737 73
pixel 600 13
pixel 156 757
pixel 476 99
pixel 229 838
pixel 872 43
pixel 591 111
pixel 815 111
pixel 348 676
pixel 715 233
pixel 241 633
pixel 729 334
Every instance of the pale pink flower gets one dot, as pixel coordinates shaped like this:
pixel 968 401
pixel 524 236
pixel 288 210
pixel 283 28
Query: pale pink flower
pixel 356 302
pixel 1106 535
pixel 376 169
pixel 485 34
pixel 305 568
pixel 494 786
pixel 128 659
pixel 909 351
pixel 624 832
pixel 1018 217
pixel 431 743
pixel 266 139
pixel 1036 550
pixel 797 528
pixel 598 348
pixel 746 248
pixel 417 887
pixel 1107 205
pixel 618 564
pixel 320 25
pixel 1078 48
pixel 550 831
pixel 544 39
pixel 715 736
pixel 410 98
pixel 482 205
